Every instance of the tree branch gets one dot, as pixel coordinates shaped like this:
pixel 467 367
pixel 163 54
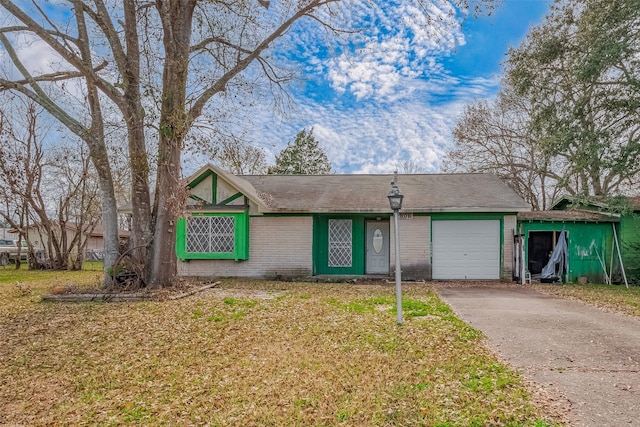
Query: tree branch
pixel 220 85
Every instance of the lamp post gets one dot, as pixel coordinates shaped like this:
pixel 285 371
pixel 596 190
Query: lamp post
pixel 395 202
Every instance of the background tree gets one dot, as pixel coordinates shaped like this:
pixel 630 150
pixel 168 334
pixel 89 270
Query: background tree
pixel 565 121
pixel 411 167
pixel 58 92
pixel 50 193
pixel 579 72
pixel 495 137
pixel 302 157
pixel 240 158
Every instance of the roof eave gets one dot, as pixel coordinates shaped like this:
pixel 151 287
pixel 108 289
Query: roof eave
pixel 407 210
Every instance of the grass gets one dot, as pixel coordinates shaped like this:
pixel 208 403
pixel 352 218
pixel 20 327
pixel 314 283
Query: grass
pixel 611 297
pixel 311 355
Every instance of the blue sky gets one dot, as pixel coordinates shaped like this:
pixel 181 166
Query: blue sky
pixel 393 100
pixel 399 99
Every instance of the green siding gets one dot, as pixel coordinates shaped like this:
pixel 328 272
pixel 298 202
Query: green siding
pixel 241 239
pixel 586 240
pixel 630 246
pixel 321 245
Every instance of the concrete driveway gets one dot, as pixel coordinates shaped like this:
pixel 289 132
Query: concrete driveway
pixel 588 356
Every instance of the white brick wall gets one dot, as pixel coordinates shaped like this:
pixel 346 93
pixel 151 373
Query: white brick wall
pixel 510 224
pixel 282 246
pixel 415 247
pixel 278 246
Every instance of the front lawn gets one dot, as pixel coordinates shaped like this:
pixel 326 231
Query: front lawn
pixel 610 297
pixel 249 353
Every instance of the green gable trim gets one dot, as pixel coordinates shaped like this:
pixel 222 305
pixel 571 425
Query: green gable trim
pixel 241 238
pixel 214 189
pixel 204 175
pixel 231 199
pixel 214 185
pixel 196 198
pixel 321 245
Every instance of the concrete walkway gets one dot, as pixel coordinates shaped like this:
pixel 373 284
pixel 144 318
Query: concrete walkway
pixel 591 357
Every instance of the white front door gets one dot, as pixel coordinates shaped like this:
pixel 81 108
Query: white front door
pixel 466 249
pixel 377 260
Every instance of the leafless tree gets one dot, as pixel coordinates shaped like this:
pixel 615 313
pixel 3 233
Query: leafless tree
pixel 495 137
pixel 49 191
pixel 411 167
pixel 241 158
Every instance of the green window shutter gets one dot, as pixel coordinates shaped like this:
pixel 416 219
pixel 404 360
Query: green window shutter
pixel 213 236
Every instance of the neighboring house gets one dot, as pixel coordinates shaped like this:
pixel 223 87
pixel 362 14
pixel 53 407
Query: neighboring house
pixel 592 232
pixel 8 233
pixel 452 226
pixel 94 238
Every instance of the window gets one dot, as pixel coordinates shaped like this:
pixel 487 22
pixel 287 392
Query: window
pixel 210 234
pixel 213 236
pixel 340 238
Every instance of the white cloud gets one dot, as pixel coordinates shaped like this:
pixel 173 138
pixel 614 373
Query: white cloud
pixel 402 44
pixel 378 137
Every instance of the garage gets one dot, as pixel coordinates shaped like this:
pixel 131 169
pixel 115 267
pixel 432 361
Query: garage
pixel 465 249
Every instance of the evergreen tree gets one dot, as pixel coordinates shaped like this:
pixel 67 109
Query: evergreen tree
pixel 302 157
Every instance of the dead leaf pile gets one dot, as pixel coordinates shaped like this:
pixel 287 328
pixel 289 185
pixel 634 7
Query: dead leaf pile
pixel 309 354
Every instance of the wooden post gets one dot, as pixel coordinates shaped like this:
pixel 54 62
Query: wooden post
pixel 615 237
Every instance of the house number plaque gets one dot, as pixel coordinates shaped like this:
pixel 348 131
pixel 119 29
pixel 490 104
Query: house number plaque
pixel 406 215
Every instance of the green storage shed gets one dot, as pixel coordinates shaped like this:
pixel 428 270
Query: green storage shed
pixel 628 229
pixel 591 251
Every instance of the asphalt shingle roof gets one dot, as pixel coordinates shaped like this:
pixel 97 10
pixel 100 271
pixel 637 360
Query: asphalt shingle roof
pixel 571 215
pixel 368 193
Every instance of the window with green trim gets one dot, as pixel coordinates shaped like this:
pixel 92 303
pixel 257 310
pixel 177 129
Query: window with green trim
pixel 213 236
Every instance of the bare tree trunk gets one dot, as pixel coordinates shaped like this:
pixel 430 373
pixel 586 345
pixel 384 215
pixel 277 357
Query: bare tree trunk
pixel 99 155
pixel 141 227
pixel 176 18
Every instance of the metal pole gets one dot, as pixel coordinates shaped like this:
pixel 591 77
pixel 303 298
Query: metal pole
pixel 615 238
pixel 398 273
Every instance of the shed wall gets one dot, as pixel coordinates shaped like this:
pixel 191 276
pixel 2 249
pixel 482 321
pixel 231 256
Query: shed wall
pixel 630 246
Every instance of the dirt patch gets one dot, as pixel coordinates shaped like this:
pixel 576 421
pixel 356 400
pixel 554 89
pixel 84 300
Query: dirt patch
pixel 61 294
pixel 245 293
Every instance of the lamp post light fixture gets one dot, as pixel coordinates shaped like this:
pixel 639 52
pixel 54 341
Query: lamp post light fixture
pixel 395 202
